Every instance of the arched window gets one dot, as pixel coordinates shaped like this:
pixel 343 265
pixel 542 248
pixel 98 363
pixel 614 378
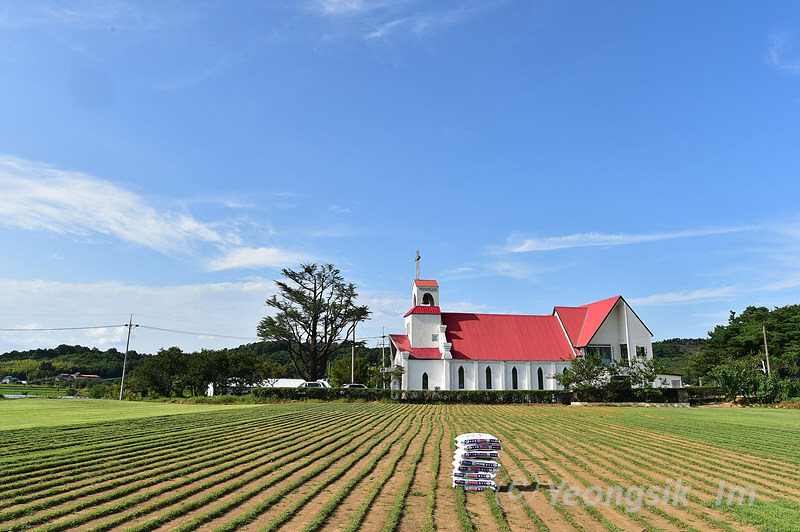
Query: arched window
pixel 424 381
pixel 540 374
pixel 460 377
pixel 488 378
pixel 427 299
pixel 514 381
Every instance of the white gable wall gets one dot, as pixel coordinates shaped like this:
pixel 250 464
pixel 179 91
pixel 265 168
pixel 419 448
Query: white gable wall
pixel 638 334
pixel 421 328
pixel 612 331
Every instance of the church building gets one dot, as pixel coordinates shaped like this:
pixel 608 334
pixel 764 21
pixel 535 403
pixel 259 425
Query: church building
pixel 466 351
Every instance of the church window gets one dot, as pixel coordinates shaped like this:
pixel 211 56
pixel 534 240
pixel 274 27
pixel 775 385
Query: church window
pixel 540 374
pixel 427 299
pixel 488 378
pixel 424 381
pixel 514 381
pixel 603 351
pixel 460 377
pixel 434 338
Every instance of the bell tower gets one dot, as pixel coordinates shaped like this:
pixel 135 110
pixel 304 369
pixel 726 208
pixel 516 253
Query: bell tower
pixel 425 293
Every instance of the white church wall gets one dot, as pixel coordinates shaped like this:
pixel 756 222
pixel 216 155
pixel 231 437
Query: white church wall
pixel 638 334
pixel 423 328
pixel 418 367
pixel 612 331
pixel 469 374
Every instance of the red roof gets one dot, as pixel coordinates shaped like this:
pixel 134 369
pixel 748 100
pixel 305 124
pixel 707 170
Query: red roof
pixel 506 337
pixel 403 344
pixel 583 322
pixel 423 309
pixel 422 282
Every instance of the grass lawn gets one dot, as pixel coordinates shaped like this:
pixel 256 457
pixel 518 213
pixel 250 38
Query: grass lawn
pixel 30 413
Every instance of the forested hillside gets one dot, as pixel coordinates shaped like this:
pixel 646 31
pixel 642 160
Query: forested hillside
pixel 172 371
pixel 672 356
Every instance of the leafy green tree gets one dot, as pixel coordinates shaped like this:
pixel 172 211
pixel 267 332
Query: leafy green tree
pixel 587 371
pixel 271 372
pixel 742 339
pixel 340 371
pixel 315 313
pixel 737 377
pixel 164 373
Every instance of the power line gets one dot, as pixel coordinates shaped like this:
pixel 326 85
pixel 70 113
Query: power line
pixel 65 328
pixel 162 329
pixel 199 333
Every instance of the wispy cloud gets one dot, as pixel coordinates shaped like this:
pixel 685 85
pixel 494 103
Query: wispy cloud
pixel 42 197
pixel 256 258
pixel 692 296
pixel 341 6
pixel 783 53
pixel 517 244
pixel 39 197
pixel 384 18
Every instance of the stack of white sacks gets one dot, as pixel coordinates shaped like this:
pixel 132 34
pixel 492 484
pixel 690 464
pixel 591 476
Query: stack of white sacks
pixel 475 461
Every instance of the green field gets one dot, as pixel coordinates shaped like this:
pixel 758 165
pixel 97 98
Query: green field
pixel 103 465
pixel 31 389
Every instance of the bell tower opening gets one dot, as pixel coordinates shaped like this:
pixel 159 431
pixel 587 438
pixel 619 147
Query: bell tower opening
pixel 427 300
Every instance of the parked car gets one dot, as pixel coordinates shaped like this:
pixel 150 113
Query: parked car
pixel 311 385
pixel 353 385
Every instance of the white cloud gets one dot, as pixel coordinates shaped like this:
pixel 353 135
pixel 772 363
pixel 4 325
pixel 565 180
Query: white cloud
pixel 599 239
pixel 39 197
pixel 42 197
pixel 341 6
pixel 692 296
pixel 228 308
pixel 386 28
pixel 783 53
pixel 256 258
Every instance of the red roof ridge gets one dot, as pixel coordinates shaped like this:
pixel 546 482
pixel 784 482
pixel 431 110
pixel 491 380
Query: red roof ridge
pixel 504 315
pixel 423 309
pixel 425 282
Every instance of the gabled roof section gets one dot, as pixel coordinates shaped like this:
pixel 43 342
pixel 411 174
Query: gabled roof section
pixel 402 343
pixel 423 282
pixel 594 314
pixel 506 337
pixel 423 309
pixel 572 318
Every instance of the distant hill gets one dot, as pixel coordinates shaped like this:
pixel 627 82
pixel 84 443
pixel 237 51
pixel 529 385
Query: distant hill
pixel 672 356
pixel 47 363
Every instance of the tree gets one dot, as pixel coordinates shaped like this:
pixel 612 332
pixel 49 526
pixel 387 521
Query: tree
pixel 316 312
pixel 743 339
pixel 271 372
pixel 587 371
pixel 340 371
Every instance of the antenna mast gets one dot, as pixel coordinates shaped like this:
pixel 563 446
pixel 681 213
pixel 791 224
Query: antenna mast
pixel 417 261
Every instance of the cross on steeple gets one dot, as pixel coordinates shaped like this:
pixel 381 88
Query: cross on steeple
pixel 417 261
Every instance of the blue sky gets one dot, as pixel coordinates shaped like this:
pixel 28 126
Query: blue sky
pixel 166 159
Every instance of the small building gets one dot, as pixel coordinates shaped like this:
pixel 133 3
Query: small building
pixel 472 351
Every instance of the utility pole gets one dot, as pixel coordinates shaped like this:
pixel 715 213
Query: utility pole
pixel 766 349
pixel 125 360
pixel 383 356
pixel 353 357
